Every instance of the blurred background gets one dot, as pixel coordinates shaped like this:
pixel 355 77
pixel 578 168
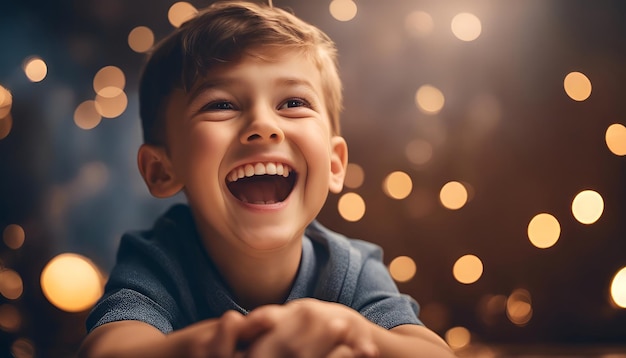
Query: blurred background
pixel 487 157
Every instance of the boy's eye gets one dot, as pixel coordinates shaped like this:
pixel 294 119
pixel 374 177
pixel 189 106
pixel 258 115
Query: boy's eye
pixel 294 102
pixel 218 106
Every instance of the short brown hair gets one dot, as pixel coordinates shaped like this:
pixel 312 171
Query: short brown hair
pixel 221 33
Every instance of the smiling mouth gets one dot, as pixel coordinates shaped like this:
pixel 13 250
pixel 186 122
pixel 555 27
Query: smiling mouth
pixel 261 183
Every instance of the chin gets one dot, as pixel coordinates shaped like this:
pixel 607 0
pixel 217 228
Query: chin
pixel 272 237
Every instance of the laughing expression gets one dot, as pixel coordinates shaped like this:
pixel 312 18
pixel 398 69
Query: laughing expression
pixel 251 146
pixel 261 183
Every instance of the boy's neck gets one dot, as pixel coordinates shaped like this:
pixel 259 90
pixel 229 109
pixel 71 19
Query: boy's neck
pixel 266 278
pixel 263 283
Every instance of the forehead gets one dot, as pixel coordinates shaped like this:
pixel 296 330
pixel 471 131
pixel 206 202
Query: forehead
pixel 265 63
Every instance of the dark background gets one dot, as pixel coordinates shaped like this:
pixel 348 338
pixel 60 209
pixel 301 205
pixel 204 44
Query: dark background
pixel 541 150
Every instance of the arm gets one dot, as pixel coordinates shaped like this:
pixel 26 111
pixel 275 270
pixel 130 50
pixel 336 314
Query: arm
pixel 216 337
pixel 410 341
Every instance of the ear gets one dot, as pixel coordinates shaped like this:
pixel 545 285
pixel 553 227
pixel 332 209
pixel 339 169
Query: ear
pixel 338 163
pixel 156 169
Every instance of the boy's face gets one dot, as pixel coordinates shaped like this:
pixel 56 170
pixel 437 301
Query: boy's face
pixel 252 148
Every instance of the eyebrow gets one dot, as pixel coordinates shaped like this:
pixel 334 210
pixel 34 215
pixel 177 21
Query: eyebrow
pixel 294 81
pixel 206 85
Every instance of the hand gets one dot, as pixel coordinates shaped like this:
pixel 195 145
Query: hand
pixel 130 338
pixel 212 338
pixel 307 328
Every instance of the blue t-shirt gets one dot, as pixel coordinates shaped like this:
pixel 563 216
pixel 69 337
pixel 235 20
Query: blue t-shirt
pixel 164 277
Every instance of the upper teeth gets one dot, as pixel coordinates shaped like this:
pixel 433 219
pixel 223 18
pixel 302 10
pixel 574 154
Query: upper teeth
pixel 249 170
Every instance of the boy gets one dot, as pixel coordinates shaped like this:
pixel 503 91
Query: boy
pixel 240 110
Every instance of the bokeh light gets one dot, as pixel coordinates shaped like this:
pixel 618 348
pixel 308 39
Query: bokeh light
pixel 71 282
pixel 398 185
pixel 458 337
pixel 10 318
pixel 467 269
pixel 616 139
pixel 577 86
pixel 429 99
pixel 587 206
pixel 351 207
pixel 519 307
pixel 419 151
pixel 618 288
pixel 343 10
pixel 35 69
pixel 491 308
pixel 355 175
pixel 23 348
pixel 109 82
pixel 86 115
pixel 180 12
pixel 402 268
pixel 141 39
pixel 544 230
pixel 6 101
pixel 6 120
pixel 6 124
pixel 453 195
pixel 111 107
pixel 13 236
pixel 11 285
pixel 466 26
pixel 419 24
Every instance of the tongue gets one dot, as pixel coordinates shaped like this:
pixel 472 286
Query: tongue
pixel 260 189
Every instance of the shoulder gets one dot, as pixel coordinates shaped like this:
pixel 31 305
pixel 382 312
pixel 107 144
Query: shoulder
pixel 160 252
pixel 354 274
pixel 176 221
pixel 148 280
pixel 146 256
pixel 345 264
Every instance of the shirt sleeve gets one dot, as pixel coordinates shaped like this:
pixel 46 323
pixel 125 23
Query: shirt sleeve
pixel 141 287
pixel 126 305
pixel 376 295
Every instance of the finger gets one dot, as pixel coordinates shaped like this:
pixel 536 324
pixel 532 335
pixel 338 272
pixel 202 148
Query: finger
pixel 344 333
pixel 298 339
pixel 275 346
pixel 365 349
pixel 224 341
pixel 361 344
pixel 257 323
pixel 262 319
pixel 251 330
pixel 284 340
pixel 342 351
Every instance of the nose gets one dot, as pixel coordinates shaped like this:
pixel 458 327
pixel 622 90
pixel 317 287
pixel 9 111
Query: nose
pixel 262 127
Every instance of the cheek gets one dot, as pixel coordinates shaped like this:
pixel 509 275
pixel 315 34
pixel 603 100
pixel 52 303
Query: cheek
pixel 315 147
pixel 201 147
pixel 208 140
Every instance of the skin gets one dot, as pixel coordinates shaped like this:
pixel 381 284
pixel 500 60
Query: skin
pixel 256 110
